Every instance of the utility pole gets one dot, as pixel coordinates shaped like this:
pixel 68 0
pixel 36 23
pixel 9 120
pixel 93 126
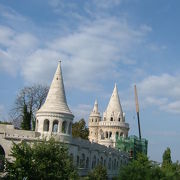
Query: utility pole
pixel 137 110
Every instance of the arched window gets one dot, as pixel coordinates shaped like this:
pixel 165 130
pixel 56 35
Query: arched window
pixel 71 157
pixel 96 120
pixel 46 125
pixel 101 161
pixel 110 134
pixel 64 126
pixel 109 164
pixel 92 120
pixel 121 134
pixel 106 134
pixel 55 126
pixel 105 163
pixel 117 134
pixel 111 119
pixel 115 164
pixel 87 162
pixel 70 128
pixel 94 162
pixel 119 119
pixel 2 158
pixel 82 161
pixel 77 161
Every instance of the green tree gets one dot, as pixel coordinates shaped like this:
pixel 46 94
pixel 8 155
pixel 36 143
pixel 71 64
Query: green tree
pixel 167 157
pixel 26 122
pixel 41 160
pixel 79 129
pixel 31 96
pixel 98 173
pixel 140 169
pixel 171 170
pixel 2 159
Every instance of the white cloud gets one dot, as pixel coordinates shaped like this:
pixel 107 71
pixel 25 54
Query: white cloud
pixel 103 4
pixel 10 14
pixel 93 51
pixel 164 133
pixel 2 113
pixel 90 53
pixel 82 111
pixel 162 91
pixel 14 48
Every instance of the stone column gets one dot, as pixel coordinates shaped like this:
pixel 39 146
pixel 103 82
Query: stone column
pixel 60 127
pixel 50 126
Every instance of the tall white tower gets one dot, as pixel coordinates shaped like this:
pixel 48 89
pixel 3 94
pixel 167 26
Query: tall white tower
pixel 55 117
pixel 94 120
pixel 113 123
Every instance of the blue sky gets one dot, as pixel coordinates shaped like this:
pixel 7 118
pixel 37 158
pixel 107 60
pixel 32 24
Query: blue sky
pixel 100 42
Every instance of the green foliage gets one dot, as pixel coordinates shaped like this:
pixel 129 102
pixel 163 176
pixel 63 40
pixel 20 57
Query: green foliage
pixel 2 160
pixel 167 158
pixel 26 122
pixel 5 122
pixel 171 170
pixel 143 169
pixel 33 97
pixel 137 169
pixel 79 129
pixel 98 173
pixel 42 160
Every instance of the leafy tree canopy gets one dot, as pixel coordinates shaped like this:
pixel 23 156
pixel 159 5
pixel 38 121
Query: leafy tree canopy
pixel 42 160
pixel 31 96
pixel 5 122
pixel 144 169
pixel 167 157
pixel 26 122
pixel 98 173
pixel 79 129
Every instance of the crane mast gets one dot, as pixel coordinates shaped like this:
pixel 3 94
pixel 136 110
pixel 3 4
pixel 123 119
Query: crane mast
pixel 137 110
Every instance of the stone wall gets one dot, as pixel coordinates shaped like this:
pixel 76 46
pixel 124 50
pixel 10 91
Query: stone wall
pixel 85 154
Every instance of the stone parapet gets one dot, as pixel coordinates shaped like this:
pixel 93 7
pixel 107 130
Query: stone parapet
pixel 115 123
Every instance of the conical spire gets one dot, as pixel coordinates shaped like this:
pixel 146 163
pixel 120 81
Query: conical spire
pixel 114 109
pixel 56 98
pixel 114 103
pixel 95 108
pixel 95 111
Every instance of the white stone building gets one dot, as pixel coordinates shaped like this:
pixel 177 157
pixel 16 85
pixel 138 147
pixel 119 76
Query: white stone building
pixel 105 131
pixel 55 119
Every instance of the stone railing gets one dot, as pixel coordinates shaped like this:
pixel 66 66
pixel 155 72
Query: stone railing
pixel 114 123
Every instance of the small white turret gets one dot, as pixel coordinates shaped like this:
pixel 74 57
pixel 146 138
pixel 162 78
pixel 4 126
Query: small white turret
pixel 113 124
pixel 55 117
pixel 94 120
pixel 114 110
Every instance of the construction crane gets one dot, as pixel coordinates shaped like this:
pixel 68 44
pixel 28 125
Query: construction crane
pixel 137 110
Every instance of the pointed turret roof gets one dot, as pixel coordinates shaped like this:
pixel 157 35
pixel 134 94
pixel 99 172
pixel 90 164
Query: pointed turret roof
pixel 56 98
pixel 95 111
pixel 95 108
pixel 114 103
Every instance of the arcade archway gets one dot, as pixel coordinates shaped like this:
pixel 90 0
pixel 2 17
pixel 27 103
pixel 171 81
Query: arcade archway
pixel 2 158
